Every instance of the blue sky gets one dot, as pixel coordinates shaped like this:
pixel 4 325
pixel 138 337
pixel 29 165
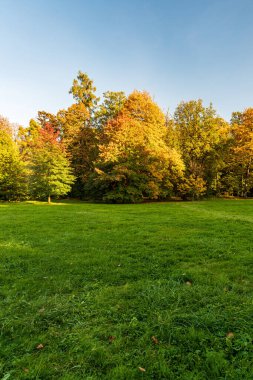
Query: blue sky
pixel 175 49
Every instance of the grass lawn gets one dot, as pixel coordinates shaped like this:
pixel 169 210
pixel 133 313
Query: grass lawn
pixel 151 291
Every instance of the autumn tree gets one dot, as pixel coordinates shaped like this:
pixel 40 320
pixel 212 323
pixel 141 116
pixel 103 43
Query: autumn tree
pixel 134 161
pixel 111 106
pixel 81 142
pixel 80 135
pixel 46 118
pixel 124 149
pixel 26 137
pixel 13 174
pixel 241 152
pixel 201 135
pixel 51 174
pixel 83 91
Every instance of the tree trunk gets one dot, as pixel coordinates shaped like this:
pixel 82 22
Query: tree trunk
pixel 49 199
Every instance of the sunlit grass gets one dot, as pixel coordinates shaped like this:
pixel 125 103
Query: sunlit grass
pixel 86 288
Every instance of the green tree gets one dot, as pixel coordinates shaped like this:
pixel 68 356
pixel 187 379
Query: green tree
pixel 51 174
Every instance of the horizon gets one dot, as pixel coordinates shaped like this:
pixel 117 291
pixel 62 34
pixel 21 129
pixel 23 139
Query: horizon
pixel 176 52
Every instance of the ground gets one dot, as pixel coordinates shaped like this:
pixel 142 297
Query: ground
pixel 155 291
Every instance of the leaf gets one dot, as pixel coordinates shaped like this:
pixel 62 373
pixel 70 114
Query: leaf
pixel 154 340
pixel 142 369
pixel 188 283
pixel 40 346
pixel 230 335
pixel 111 338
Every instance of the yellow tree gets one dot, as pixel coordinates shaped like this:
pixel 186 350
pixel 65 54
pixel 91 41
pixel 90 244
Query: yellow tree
pixel 201 135
pixel 134 161
pixel 81 142
pixel 110 107
pixel 13 174
pixel 242 150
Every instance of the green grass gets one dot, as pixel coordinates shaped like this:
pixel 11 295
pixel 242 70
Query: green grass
pixel 94 283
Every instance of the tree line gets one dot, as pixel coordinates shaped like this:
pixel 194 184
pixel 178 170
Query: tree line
pixel 125 149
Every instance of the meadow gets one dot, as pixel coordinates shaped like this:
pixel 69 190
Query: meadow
pixel 145 291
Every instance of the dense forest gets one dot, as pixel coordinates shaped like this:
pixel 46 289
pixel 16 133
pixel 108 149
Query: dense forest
pixel 125 149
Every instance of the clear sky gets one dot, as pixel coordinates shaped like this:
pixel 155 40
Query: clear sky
pixel 175 49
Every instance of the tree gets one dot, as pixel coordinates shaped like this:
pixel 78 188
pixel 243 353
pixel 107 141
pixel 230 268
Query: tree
pixel 134 161
pixel 45 118
pixel 80 139
pixel 109 109
pixel 51 174
pixel 26 137
pixel 241 151
pixel 13 174
pixel 71 121
pixel 83 91
pixel 200 133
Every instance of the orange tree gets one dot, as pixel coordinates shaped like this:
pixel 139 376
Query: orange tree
pixel 134 161
pixel 240 168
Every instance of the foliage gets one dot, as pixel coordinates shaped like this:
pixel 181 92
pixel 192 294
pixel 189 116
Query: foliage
pixel 83 91
pixel 51 174
pixel 242 150
pixel 13 181
pixel 192 186
pixel 110 108
pixel 81 142
pixel 202 136
pixel 134 161
pixel 125 149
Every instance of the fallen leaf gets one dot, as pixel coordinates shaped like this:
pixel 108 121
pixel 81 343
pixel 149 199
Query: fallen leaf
pixel 189 283
pixel 26 370
pixel 230 335
pixel 154 340
pixel 142 369
pixel 111 338
pixel 40 346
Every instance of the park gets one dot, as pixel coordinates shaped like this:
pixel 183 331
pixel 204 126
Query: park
pixel 126 190
pixel 155 290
